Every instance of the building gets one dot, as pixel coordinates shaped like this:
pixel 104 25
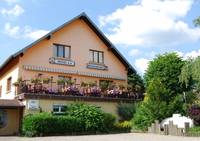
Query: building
pixel 76 53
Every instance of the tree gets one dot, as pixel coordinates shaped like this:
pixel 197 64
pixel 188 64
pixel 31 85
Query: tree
pixel 197 21
pixel 190 75
pixel 167 68
pixel 164 91
pixel 136 83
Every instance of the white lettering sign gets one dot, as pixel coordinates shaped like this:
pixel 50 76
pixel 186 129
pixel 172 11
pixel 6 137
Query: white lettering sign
pixel 33 104
pixel 96 66
pixel 61 61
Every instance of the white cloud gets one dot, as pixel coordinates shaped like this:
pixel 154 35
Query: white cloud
pixel 23 32
pixel 11 30
pixel 9 2
pixel 17 10
pixel 192 54
pixel 134 52
pixel 141 64
pixel 151 23
pixel 36 34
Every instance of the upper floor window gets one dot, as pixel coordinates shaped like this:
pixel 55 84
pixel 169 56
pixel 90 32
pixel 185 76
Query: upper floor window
pixel 62 51
pixel 96 56
pixel 9 84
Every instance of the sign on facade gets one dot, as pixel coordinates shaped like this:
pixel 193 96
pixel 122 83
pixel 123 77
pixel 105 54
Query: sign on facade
pixel 33 104
pixel 59 61
pixel 97 66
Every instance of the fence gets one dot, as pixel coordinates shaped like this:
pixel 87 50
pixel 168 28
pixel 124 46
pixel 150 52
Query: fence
pixel 169 129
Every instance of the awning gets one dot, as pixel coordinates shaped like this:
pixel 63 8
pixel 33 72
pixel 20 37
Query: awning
pixel 5 103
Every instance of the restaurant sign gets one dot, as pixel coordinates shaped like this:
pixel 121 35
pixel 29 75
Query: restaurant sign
pixel 61 61
pixel 97 66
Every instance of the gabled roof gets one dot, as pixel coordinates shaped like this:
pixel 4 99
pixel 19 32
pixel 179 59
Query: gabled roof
pixel 84 17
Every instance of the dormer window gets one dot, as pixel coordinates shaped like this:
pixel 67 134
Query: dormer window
pixel 62 51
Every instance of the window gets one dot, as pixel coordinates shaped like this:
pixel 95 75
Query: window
pixel 96 56
pixel 62 51
pixel 0 90
pixel 9 83
pixel 59 109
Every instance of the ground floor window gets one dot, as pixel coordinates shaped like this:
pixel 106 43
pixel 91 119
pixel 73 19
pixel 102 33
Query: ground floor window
pixel 59 109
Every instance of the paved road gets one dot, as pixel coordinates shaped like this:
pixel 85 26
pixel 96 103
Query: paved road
pixel 114 137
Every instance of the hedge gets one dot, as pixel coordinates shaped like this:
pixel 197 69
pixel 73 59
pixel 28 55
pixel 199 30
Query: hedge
pixel 45 124
pixel 79 119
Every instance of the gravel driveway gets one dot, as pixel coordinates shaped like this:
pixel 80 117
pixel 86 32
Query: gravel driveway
pixel 114 137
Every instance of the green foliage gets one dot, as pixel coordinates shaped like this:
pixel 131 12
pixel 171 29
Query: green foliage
pixel 46 80
pixel 143 117
pixel 197 21
pixel 79 119
pixel 195 131
pixel 109 121
pixel 190 75
pixel 126 111
pixel 90 116
pixel 136 83
pixel 164 91
pixel 123 127
pixel 46 124
pixel 167 68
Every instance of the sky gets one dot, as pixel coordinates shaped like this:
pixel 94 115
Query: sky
pixel 140 29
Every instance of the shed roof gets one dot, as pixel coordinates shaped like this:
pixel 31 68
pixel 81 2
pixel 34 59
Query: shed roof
pixel 5 103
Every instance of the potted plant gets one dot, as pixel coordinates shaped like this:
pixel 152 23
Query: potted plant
pixel 17 85
pixel 46 80
pixel 36 80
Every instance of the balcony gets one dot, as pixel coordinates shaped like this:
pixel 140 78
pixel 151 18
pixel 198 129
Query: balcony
pixel 89 92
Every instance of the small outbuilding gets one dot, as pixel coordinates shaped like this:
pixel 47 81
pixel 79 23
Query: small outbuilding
pixel 11 113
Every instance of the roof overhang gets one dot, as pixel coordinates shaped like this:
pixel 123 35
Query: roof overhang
pixel 92 25
pixel 10 104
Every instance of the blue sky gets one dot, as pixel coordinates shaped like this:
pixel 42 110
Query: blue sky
pixel 140 29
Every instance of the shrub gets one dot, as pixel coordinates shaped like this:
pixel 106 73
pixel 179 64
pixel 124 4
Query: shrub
pixel 126 111
pixel 79 119
pixel 90 116
pixel 46 124
pixel 143 117
pixel 109 121
pixel 124 127
pixel 195 131
pixel 194 113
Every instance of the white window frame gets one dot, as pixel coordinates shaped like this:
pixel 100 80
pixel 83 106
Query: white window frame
pixel 59 108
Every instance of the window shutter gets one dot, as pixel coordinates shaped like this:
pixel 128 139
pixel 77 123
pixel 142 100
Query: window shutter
pixel 54 51
pixel 67 52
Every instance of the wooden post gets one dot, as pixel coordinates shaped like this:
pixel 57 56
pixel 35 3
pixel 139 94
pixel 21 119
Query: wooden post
pixel 187 126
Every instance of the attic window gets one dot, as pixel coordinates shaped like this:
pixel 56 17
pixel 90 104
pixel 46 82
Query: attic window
pixel 62 51
pixel 96 56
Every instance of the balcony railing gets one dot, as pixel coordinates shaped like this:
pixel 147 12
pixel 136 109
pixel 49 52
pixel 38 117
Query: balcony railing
pixel 76 91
